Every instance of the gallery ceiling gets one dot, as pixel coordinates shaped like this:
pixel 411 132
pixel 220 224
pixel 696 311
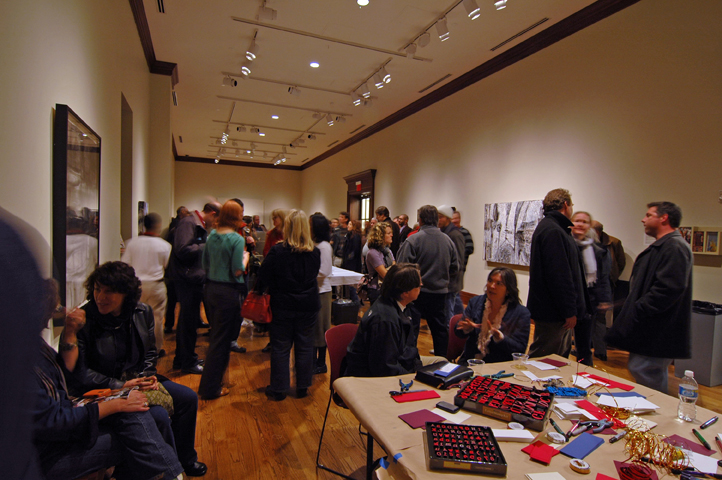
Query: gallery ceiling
pixel 288 100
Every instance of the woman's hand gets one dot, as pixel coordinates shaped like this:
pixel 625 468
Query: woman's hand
pixel 136 402
pixel 467 324
pixel 603 307
pixel 143 383
pixel 74 322
pixel 495 332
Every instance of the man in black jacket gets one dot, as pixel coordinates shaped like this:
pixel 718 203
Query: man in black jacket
pixel 382 215
pixel 188 276
pixel 556 290
pixel 654 324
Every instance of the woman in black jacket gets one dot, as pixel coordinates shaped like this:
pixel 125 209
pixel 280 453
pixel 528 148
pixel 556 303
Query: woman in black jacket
pixel 289 274
pixel 116 349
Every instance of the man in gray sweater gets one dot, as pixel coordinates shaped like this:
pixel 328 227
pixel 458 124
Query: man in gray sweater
pixel 438 261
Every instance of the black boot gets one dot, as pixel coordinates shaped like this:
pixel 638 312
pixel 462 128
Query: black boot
pixel 320 361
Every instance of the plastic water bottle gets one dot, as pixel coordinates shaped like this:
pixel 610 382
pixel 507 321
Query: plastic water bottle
pixel 688 388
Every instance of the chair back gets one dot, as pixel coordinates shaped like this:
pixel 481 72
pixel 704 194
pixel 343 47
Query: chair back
pixel 337 339
pixel 456 344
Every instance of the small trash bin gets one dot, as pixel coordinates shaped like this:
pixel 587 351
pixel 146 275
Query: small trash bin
pixel 706 361
pixel 344 311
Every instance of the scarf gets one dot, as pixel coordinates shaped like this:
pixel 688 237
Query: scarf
pixel 586 246
pixel 485 334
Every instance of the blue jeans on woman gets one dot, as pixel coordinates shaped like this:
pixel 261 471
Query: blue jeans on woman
pixel 130 442
pixel 181 427
pixel 291 329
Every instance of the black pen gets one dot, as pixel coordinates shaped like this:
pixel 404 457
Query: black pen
pixel 709 422
pixel 701 439
pixel 556 427
pixel 618 436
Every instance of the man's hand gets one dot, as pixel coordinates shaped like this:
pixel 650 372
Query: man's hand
pixel 74 322
pixel 570 323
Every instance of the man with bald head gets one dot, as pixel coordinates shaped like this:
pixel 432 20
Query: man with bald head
pixel 189 277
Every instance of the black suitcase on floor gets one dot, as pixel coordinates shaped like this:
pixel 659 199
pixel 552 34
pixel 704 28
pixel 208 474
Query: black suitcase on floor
pixel 344 311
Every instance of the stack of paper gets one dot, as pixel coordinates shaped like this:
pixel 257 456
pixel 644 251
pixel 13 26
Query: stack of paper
pixel 636 405
pixel 545 476
pixel 570 411
pixel 534 378
pixel 540 365
pixel 584 382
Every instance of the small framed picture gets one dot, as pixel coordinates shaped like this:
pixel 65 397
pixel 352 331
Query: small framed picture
pixel 686 233
pixel 698 241
pixel 711 242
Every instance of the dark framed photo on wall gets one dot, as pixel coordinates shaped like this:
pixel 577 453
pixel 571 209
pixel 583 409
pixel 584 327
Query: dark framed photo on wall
pixel 76 203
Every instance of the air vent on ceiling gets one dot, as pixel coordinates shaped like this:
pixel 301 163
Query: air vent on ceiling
pixel 359 128
pixel 331 144
pixel 180 139
pixel 175 98
pixel 436 82
pixel 526 30
pixel 161 6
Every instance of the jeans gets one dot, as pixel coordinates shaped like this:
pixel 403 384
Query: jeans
pixel 432 307
pixel 649 371
pixel 182 425
pixel 189 297
pixel 130 441
pixel 224 305
pixel 291 329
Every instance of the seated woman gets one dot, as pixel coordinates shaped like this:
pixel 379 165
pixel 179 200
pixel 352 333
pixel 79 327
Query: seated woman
pixel 116 349
pixel 385 343
pixel 75 441
pixel 495 324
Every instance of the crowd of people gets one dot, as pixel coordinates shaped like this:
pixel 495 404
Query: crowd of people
pixel 114 339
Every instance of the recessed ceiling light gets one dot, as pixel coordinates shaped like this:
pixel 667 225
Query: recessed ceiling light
pixel 261 134
pixel 275 117
pixel 315 65
pixel 362 3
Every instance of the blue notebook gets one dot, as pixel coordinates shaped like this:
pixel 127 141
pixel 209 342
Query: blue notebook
pixel 582 446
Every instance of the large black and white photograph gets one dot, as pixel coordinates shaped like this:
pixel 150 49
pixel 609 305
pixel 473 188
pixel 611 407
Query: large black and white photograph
pixel 508 228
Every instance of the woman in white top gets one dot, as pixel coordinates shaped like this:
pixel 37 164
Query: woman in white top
pixel 321 234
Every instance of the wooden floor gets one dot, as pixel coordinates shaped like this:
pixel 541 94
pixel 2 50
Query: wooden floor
pixel 245 436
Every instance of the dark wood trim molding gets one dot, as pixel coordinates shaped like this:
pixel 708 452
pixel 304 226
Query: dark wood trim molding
pixel 154 65
pixel 590 15
pixel 234 163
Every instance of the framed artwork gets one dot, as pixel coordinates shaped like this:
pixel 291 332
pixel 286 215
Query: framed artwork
pixel 686 233
pixel 508 228
pixel 698 241
pixel 711 242
pixel 76 203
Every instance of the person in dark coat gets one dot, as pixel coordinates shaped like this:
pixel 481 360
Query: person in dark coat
pixel 654 324
pixel 557 294
pixel 385 342
pixel 289 274
pixel 382 215
pixel 495 324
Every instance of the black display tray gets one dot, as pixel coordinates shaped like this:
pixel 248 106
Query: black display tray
pixel 468 448
pixel 507 402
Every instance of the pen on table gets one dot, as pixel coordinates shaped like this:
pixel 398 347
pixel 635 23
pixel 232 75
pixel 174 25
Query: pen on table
pixel 556 427
pixel 709 422
pixel 569 433
pixel 701 439
pixel 719 443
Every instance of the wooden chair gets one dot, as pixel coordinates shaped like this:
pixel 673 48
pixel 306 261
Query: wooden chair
pixel 337 340
pixel 456 344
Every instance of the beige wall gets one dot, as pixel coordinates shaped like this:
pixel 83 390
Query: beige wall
pixel 625 112
pixel 261 189
pixel 83 54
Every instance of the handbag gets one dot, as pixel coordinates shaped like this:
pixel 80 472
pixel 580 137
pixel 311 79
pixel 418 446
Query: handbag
pixel 160 397
pixel 257 307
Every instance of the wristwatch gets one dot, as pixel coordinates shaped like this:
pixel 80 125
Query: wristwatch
pixel 66 347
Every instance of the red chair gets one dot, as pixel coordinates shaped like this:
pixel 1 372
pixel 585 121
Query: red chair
pixel 337 340
pixel 456 344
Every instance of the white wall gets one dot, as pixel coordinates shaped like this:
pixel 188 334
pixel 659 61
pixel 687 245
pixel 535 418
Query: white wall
pixel 84 54
pixel 261 189
pixel 625 112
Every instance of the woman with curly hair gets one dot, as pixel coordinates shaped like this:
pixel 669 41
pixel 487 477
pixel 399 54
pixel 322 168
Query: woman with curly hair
pixel 116 349
pixel 379 258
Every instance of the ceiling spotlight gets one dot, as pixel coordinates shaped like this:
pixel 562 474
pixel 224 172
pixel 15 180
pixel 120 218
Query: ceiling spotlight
pixel 252 51
pixel 340 119
pixel 367 102
pixel 245 70
pixel 355 99
pixel 385 75
pixel 442 29
pixel 228 81
pixel 365 92
pixel 362 3
pixel 317 116
pixel 378 81
pixel 329 120
pixel 312 137
pixel 500 4
pixel 248 152
pixel 255 130
pixel 261 134
pixel 294 91
pixel 423 39
pixel 411 50
pixel 266 13
pixel 472 9
pixel 314 64
pixel 216 160
pixel 241 129
pixel 275 117
pixel 293 144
